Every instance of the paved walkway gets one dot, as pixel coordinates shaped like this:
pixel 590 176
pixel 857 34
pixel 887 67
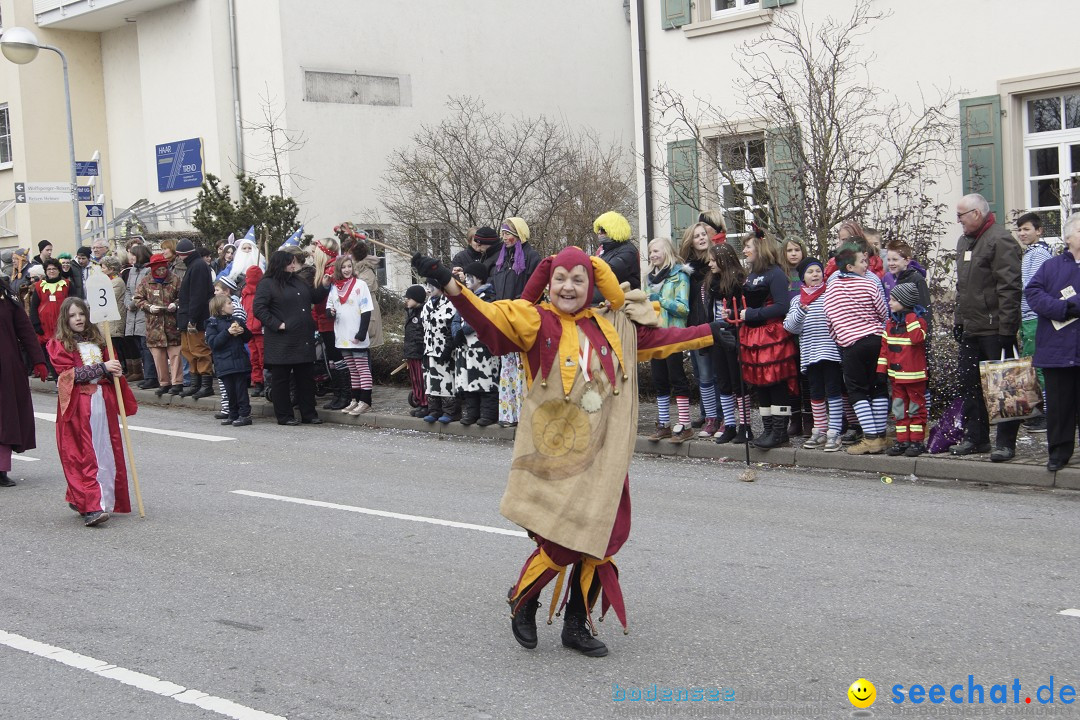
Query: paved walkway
pixel 392 411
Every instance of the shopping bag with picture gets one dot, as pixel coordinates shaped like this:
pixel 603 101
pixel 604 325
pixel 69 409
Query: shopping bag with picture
pixel 1010 389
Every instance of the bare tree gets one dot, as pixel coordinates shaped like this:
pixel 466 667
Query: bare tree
pixel 279 145
pixel 833 140
pixel 477 167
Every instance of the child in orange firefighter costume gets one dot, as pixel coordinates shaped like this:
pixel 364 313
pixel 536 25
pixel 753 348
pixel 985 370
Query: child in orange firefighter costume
pixel 568 482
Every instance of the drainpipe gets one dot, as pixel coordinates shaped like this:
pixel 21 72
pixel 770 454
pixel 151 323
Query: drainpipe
pixel 646 139
pixel 237 119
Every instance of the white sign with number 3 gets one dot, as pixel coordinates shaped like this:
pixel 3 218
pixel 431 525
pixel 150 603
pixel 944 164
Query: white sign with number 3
pixel 101 298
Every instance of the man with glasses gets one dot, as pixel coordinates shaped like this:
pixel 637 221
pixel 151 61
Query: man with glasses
pixel 987 318
pixel 98 250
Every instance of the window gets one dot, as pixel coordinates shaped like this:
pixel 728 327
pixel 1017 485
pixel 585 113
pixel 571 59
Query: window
pixel 1052 157
pixel 741 186
pixel 5 137
pixel 724 7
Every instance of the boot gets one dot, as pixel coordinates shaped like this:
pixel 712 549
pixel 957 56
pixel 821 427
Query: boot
pixel 451 410
pixel 420 411
pixel 341 382
pixel 779 436
pixel 162 389
pixel 470 408
pixel 577 636
pixel 794 424
pixel 766 433
pixel 5 481
pixel 134 368
pixel 434 406
pixel 257 391
pixel 743 435
pixel 729 435
pixel 207 388
pixel 489 409
pixel 523 623
pixel 176 389
pixel 196 385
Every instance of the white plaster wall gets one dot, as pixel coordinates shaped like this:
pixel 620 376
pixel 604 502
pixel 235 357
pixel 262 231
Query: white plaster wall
pixel 124 110
pixel 966 45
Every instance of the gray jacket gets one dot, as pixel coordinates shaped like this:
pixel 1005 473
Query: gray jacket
pixel 988 285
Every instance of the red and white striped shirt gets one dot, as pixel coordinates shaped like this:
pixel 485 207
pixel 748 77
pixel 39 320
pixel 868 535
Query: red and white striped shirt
pixel 854 308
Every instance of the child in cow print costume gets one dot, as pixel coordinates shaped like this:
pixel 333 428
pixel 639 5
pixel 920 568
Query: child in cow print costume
pixel 438 358
pixel 476 371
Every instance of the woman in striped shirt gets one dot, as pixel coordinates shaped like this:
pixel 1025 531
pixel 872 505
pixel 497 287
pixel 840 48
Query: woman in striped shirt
pixel 855 312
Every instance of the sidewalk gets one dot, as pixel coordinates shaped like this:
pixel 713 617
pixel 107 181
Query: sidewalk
pixel 392 411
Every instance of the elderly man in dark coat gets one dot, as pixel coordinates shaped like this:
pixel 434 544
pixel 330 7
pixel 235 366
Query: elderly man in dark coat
pixel 16 408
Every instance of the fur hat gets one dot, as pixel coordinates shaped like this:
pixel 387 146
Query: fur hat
pixel 613 225
pixel 36 271
pixel 907 294
pixel 416 293
pixel 478 270
pixel 486 236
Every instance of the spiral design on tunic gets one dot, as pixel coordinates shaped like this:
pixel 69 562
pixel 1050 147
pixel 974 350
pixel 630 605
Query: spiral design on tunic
pixel 560 428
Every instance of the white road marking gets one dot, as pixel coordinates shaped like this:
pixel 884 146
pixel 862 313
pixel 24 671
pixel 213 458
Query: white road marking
pixel 24 458
pixel 51 417
pixel 1070 611
pixel 382 513
pixel 139 680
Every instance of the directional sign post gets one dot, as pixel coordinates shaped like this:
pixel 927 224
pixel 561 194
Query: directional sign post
pixel 43 192
pixel 95 211
pixel 86 168
pixel 85 192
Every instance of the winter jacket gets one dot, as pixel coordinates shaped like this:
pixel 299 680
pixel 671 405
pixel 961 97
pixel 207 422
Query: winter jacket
pixel 988 282
pixel 903 348
pixel 351 304
pixel 916 275
pixel 17 341
pixel 508 284
pixel 700 306
pixel 75 279
pixel 196 289
pixel 247 298
pixel 366 270
pixel 120 291
pixel 436 317
pixel 624 260
pixel 1055 348
pixel 672 291
pixel 290 303
pixel 413 347
pixel 161 327
pixel 229 351
pixel 488 257
pixel 135 323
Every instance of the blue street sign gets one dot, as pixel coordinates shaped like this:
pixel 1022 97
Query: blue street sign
pixel 179 165
pixel 95 211
pixel 85 192
pixel 86 168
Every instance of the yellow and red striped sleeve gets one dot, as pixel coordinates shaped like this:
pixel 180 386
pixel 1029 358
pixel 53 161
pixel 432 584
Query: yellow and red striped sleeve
pixel 504 326
pixel 655 343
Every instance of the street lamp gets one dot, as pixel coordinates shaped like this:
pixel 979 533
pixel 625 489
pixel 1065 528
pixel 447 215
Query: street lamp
pixel 21 46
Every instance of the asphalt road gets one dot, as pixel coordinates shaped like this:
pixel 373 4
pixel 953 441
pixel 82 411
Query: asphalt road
pixel 776 594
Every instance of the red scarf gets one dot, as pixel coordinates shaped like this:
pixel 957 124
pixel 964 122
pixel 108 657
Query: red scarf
pixel 809 295
pixel 344 289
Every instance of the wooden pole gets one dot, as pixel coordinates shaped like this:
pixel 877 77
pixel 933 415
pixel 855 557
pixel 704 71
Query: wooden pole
pixel 123 422
pixel 391 248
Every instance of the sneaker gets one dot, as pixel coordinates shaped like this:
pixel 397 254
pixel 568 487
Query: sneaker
pixel 851 436
pixel 95 518
pixel 363 407
pixel 726 436
pixel 445 419
pixel 832 442
pixel 220 415
pixel 1035 424
pixel 898 448
pixel 915 449
pixel 662 432
pixel 815 441
pixel 681 433
pixel 429 419
pixel 710 428
pixel 352 406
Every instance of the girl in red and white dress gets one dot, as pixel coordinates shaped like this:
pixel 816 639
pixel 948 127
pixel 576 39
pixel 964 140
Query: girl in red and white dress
pixel 87 429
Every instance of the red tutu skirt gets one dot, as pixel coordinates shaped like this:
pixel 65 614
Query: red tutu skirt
pixel 769 355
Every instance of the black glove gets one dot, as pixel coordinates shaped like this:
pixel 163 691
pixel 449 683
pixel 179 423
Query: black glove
pixel 1073 309
pixel 429 267
pixel 722 336
pixel 958 333
pixel 459 339
pixel 1007 342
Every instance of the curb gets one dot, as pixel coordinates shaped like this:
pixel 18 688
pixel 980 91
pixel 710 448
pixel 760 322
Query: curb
pixel 926 466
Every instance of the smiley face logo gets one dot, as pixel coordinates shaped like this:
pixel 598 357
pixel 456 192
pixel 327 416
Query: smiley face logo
pixel 862 693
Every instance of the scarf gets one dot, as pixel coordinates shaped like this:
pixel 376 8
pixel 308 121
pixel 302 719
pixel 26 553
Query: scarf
pixel 344 289
pixel 519 258
pixel 809 295
pixel 657 278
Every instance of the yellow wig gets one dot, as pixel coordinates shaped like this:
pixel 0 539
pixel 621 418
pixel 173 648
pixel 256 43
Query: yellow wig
pixel 614 225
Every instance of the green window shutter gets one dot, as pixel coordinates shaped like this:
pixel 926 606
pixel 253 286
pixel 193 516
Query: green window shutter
pixel 767 4
pixel 674 13
pixel 786 197
pixel 683 198
pixel 980 151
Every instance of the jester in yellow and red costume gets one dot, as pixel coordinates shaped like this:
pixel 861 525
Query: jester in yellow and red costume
pixel 568 482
